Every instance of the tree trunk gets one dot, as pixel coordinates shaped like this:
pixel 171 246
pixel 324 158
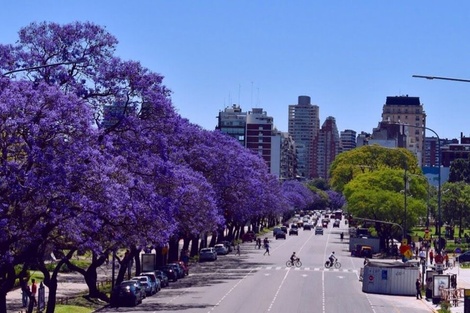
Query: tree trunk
pixel 173 249
pixel 8 281
pixel 194 246
pixel 52 297
pixel 3 301
pixel 213 239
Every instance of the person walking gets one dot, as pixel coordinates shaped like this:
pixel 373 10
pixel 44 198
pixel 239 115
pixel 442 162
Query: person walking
pixel 418 289
pixel 32 298
pixel 25 293
pixel 431 256
pixel 266 246
pixel 238 249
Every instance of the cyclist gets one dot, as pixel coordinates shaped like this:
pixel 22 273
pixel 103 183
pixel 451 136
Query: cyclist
pixel 293 258
pixel 332 258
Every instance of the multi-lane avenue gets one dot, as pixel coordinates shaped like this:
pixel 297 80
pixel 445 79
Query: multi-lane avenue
pixel 253 282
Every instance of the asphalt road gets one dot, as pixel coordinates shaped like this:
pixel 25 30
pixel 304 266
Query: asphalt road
pixel 253 282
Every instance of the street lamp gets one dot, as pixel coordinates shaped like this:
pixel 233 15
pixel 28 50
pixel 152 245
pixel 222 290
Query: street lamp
pixel 438 246
pixel 443 78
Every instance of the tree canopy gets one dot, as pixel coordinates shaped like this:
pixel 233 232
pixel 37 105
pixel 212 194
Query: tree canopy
pixel 92 149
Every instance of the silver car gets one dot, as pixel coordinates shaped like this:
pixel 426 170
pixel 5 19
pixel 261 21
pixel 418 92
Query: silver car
pixel 207 254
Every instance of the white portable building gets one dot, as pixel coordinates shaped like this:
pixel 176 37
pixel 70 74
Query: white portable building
pixel 390 277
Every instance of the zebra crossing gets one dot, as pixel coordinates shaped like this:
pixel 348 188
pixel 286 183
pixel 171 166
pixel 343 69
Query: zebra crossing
pixel 309 269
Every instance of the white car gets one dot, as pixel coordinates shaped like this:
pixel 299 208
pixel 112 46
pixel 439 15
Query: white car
pixel 145 281
pixel 221 249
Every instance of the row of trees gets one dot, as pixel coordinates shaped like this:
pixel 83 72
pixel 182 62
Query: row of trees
pixel 73 178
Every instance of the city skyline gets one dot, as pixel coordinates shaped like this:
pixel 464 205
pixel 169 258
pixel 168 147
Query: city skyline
pixel 348 57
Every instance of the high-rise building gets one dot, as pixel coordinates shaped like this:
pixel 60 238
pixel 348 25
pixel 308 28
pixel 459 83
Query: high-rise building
pixel 255 131
pixel 326 148
pixel 303 126
pixel 283 156
pixel 409 111
pixel 232 121
pixel 259 130
pixel 348 140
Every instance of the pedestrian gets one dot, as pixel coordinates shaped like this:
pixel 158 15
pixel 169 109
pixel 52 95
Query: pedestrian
pixel 418 289
pixel 446 258
pixel 341 236
pixel 25 293
pixel 266 246
pixel 32 299
pixel 431 256
pixel 238 249
pixel 258 243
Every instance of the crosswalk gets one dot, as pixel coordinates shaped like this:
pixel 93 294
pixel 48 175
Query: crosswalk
pixel 314 269
pixel 285 268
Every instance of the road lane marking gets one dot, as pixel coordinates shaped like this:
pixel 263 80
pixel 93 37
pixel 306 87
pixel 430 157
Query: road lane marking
pixel 231 289
pixel 277 292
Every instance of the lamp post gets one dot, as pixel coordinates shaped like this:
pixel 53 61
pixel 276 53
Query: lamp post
pixel 438 246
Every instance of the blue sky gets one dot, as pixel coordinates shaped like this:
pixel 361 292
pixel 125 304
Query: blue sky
pixel 348 56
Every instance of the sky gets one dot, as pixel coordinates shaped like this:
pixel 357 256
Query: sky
pixel 348 56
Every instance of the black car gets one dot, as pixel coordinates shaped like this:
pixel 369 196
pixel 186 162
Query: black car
pixel 281 234
pixel 163 278
pixel 293 231
pixel 307 227
pixel 169 271
pixel 464 257
pixel 178 268
pixel 129 292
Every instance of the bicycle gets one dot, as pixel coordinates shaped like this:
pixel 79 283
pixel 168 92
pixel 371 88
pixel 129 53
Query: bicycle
pixel 295 263
pixel 335 264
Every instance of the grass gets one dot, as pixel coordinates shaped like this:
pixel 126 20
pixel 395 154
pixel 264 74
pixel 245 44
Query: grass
pixel 72 309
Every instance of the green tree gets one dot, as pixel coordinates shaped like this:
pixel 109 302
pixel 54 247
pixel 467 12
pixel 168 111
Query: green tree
pixel 380 195
pixel 460 171
pixel 455 203
pixel 352 163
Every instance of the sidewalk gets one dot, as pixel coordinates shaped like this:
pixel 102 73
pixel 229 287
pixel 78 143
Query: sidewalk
pixel 69 285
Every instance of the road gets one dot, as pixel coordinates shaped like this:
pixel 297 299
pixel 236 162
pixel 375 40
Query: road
pixel 253 282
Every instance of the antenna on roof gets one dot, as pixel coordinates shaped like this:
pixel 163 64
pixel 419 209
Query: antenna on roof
pixel 251 100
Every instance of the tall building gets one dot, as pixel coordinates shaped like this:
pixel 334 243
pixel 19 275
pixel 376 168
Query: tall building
pixel 409 111
pixel 326 148
pixel 283 156
pixel 259 130
pixel 255 131
pixel 348 140
pixel 303 126
pixel 232 121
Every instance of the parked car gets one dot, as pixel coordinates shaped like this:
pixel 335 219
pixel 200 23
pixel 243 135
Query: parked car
pixel 227 245
pixel 220 249
pixel 178 269
pixel 156 284
pixel 169 271
pixel 307 227
pixel 185 267
pixel 294 231
pixel 207 254
pixel 249 236
pixel 128 292
pixel 146 283
pixel 336 223
pixel 164 282
pixel 464 257
pixel 281 234
pixel 319 230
